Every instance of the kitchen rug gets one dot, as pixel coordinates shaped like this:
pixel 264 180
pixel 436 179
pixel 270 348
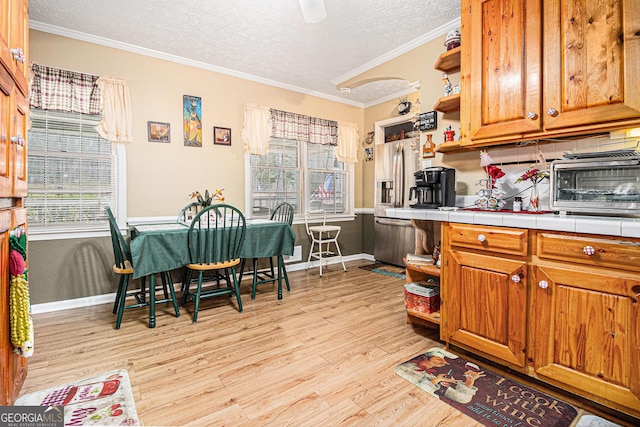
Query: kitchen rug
pixel 105 399
pixel 488 398
pixel 386 269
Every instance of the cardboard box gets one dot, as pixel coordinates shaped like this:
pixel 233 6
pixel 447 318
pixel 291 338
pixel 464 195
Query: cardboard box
pixel 422 297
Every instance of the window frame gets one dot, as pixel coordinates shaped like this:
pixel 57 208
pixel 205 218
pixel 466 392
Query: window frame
pixel 305 193
pixel 52 232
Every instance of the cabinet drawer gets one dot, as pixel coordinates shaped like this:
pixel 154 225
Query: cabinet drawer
pixel 619 253
pixel 504 240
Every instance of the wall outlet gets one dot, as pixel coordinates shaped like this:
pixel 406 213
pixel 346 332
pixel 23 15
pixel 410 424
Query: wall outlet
pixel 297 255
pixel 426 164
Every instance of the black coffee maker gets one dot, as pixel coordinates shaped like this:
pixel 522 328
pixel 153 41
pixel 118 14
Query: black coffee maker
pixel 434 187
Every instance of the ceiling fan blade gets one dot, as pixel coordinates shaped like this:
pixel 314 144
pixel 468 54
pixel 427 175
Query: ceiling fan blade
pixel 313 10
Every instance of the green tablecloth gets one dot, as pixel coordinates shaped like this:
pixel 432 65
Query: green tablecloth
pixel 163 247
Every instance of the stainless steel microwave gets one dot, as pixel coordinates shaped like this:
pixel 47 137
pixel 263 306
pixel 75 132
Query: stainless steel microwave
pixel 598 183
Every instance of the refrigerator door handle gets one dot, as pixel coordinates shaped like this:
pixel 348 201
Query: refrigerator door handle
pixel 398 175
pixel 401 175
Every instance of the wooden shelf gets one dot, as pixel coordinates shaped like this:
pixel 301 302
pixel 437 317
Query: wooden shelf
pixel 448 104
pixel 450 147
pixel 415 272
pixel 433 318
pixel 448 61
pixel 429 269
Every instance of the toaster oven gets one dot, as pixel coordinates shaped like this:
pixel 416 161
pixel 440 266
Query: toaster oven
pixel 597 183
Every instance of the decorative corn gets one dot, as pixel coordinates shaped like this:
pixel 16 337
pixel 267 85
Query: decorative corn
pixel 20 317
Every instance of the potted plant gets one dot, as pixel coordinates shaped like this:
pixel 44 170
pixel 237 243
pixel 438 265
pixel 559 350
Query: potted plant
pixel 208 198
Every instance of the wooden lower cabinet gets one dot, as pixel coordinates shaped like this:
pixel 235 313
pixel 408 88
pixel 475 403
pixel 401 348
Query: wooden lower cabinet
pixel 585 321
pixel 485 296
pixel 569 317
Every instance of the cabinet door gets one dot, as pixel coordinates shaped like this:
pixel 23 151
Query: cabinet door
pixel 16 364
pixel 585 333
pixel 19 38
pixel 6 178
pixel 485 299
pixel 6 348
pixel 505 67
pixel 19 123
pixel 592 52
pixel 5 53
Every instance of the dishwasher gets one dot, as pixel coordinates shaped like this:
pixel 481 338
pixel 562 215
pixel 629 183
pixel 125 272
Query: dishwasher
pixel 394 239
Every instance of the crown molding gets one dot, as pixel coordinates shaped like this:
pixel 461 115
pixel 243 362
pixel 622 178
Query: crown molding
pixel 401 50
pixel 77 35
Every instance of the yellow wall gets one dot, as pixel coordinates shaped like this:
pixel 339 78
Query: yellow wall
pixel 417 65
pixel 160 176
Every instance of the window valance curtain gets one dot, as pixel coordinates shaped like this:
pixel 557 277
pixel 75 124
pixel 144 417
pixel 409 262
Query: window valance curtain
pixel 347 149
pixel 298 127
pixel 70 91
pixel 257 129
pixel 117 117
pixel 262 123
pixel 63 90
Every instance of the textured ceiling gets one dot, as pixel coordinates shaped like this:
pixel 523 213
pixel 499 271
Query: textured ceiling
pixel 261 40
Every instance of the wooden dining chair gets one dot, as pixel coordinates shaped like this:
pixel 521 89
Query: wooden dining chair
pixel 124 268
pixel 215 239
pixel 188 212
pixel 284 212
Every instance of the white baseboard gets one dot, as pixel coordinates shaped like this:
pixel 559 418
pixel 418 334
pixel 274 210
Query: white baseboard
pixel 49 307
pixel 73 303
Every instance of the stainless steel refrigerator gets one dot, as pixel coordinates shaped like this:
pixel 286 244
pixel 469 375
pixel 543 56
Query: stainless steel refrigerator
pixel 395 163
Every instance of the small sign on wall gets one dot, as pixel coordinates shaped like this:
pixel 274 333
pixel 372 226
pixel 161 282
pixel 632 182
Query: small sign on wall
pixel 428 120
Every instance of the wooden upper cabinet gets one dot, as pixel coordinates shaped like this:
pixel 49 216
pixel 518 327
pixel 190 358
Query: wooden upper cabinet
pixel 14 35
pixel 592 52
pixel 549 69
pixel 505 80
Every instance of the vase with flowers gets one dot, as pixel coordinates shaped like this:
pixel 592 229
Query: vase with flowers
pixel 208 198
pixel 491 197
pixel 535 176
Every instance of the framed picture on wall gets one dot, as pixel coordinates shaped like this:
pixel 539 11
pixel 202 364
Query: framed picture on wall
pixel 428 120
pixel 192 117
pixel 221 136
pixel 158 132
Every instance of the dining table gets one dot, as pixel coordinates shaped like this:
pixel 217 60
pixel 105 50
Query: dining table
pixel 156 248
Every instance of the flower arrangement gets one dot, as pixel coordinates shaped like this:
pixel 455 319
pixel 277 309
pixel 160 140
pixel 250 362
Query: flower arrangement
pixel 208 198
pixel 534 175
pixel 493 171
pixel 492 196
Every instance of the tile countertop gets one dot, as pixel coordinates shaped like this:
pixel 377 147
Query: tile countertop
pixel 604 225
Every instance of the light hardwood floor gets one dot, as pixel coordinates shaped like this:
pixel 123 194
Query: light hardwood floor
pixel 322 356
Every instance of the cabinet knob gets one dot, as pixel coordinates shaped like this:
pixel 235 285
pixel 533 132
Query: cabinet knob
pixel 18 54
pixel 588 250
pixel 543 284
pixel 532 115
pixel 552 112
pixel 18 140
pixel 481 238
pixel 515 278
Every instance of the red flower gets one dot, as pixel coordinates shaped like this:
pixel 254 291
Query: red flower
pixel 494 172
pixel 534 175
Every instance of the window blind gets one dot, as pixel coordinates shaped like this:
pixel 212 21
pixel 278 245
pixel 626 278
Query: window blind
pixel 72 171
